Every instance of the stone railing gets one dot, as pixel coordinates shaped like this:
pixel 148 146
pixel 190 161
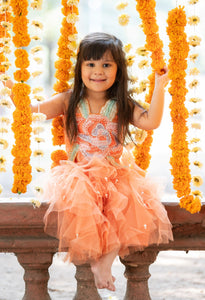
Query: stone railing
pixel 21 232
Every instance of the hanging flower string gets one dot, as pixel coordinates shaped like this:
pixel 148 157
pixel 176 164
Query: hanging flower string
pixel 154 44
pixel 195 112
pixel 5 38
pixel 22 115
pixel 5 21
pixel 179 161
pixel 138 135
pixel 66 51
pixel 36 27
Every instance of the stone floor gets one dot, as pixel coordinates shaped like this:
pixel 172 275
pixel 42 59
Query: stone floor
pixel 175 276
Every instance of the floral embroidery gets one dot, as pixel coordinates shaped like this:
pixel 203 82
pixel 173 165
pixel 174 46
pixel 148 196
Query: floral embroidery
pixel 97 135
pixel 97 132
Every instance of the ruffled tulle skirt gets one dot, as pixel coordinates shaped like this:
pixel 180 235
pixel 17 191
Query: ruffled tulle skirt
pixel 101 206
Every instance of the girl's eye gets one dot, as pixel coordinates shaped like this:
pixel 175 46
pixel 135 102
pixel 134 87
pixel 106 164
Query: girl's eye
pixel 90 65
pixel 106 65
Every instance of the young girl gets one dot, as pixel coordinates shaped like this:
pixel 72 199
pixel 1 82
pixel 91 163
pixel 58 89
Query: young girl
pixel 104 202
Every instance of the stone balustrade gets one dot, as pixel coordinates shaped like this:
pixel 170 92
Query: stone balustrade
pixel 21 232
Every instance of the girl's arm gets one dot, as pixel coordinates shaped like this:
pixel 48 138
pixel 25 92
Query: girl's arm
pixel 151 119
pixel 52 108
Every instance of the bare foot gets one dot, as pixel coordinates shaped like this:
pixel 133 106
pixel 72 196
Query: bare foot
pixel 103 277
pixel 102 271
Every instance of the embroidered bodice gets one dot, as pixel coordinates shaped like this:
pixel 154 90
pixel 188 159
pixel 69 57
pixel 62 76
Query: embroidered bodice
pixel 97 133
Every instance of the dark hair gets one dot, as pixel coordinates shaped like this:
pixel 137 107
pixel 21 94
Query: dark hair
pixel 93 46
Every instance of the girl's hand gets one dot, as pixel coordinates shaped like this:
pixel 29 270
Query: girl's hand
pixel 8 83
pixel 162 80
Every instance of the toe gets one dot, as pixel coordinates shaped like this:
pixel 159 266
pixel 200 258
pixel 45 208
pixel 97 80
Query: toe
pixel 111 286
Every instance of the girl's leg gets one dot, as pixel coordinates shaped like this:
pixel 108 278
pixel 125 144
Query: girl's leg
pixel 102 271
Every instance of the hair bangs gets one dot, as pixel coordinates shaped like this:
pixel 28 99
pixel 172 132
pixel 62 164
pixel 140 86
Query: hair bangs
pixel 96 50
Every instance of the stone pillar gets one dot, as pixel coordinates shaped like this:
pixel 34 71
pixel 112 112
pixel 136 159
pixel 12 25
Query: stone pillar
pixel 86 288
pixel 137 274
pixel 36 274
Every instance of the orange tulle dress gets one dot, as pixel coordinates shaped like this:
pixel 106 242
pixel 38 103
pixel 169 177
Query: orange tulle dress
pixel 102 199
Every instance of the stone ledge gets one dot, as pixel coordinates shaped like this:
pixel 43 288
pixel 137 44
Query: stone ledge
pixel 22 232
pixel 21 225
pixel 22 220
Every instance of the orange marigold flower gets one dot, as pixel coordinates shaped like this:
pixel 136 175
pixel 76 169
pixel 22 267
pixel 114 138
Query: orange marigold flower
pixel 22 60
pixel 61 86
pixel 20 8
pixel 21 102
pixel 142 152
pixel 59 155
pixel 67 28
pixel 63 64
pixel 58 139
pixel 21 41
pixel 58 131
pixel 191 203
pixel 21 89
pixel 70 10
pixel 64 51
pixel 58 121
pixel 62 75
pixel 21 75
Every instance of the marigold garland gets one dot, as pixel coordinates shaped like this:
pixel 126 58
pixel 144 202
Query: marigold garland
pixel 63 64
pixel 154 44
pixel 22 115
pixel 58 131
pixel 179 49
pixel 4 34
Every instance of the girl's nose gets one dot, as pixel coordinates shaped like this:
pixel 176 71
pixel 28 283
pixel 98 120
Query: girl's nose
pixel 98 70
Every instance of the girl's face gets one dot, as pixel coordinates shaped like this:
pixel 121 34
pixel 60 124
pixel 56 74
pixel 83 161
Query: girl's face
pixel 99 75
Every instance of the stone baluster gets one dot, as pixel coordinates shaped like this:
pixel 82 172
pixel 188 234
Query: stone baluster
pixel 137 274
pixel 86 288
pixel 36 274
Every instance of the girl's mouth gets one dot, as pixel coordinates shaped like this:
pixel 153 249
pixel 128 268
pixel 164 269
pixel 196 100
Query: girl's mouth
pixel 97 80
